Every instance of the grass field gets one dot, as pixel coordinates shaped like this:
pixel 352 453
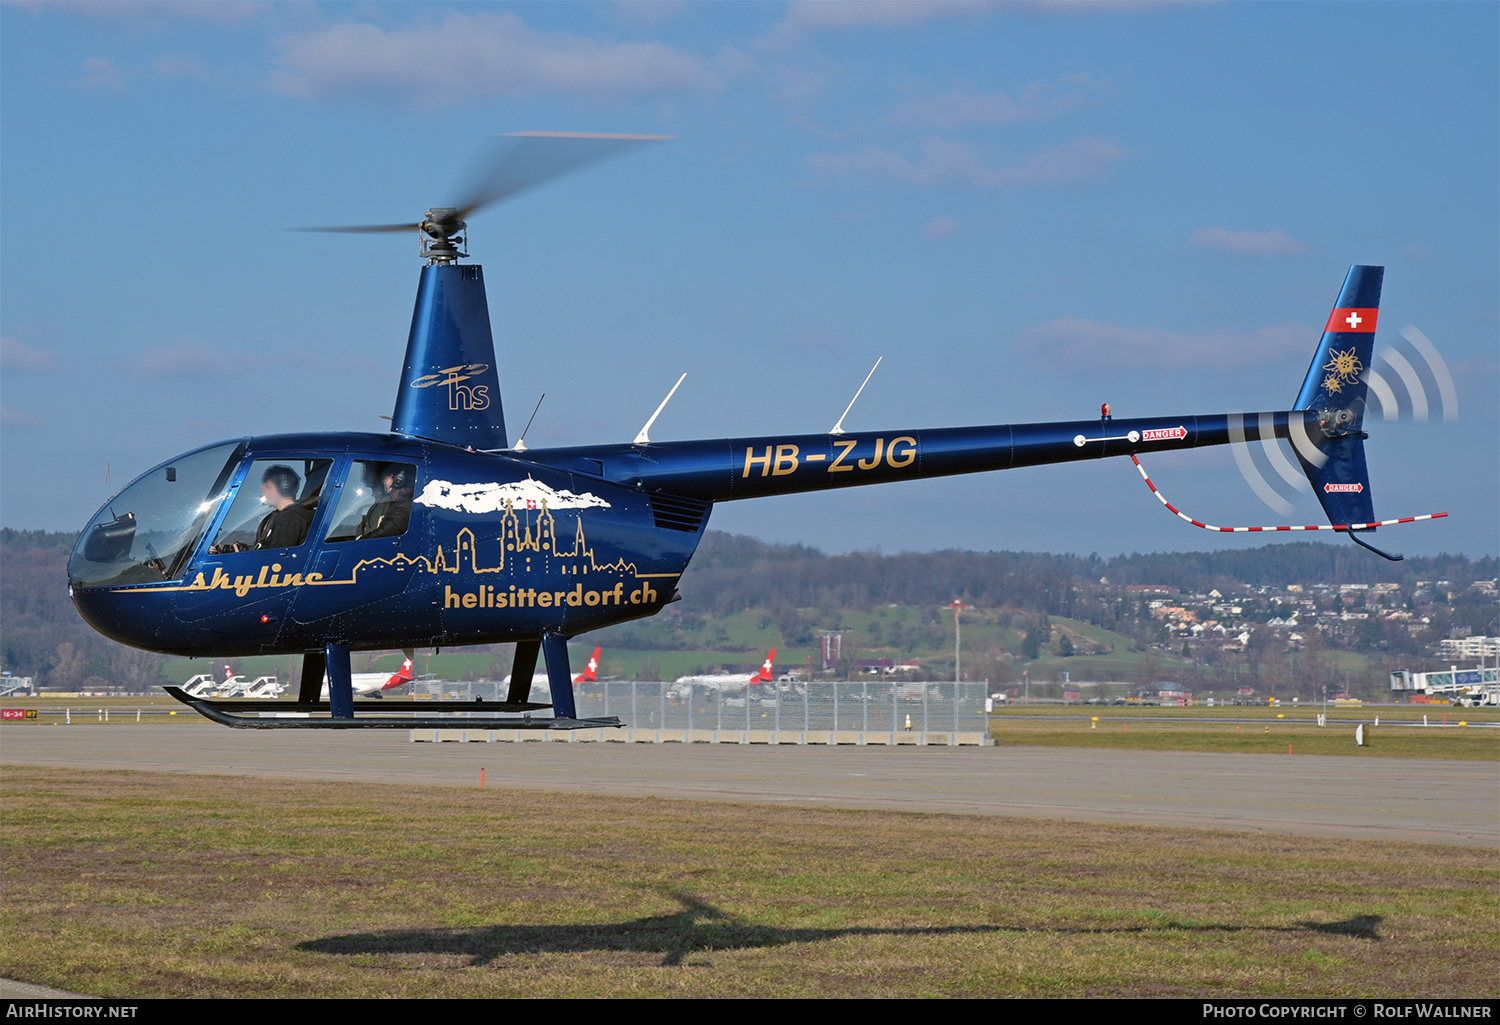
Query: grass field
pixel 1266 731
pixel 141 884
pixel 1249 730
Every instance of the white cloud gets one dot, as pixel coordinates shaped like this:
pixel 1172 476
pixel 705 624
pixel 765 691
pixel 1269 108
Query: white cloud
pixel 1074 344
pixel 942 227
pixel 650 12
pixel 16 418
pixel 1255 243
pixel 944 162
pixel 184 359
pixel 101 73
pixel 804 17
pixel 159 12
pixel 17 355
pixel 465 56
pixel 176 65
pixel 959 107
pixel 815 15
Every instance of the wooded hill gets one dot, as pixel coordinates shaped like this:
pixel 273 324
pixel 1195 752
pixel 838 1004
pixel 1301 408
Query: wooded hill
pixel 742 596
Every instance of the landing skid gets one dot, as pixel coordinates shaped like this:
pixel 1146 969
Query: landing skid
pixel 478 715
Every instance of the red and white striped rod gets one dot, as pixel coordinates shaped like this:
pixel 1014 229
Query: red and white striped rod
pixel 1252 530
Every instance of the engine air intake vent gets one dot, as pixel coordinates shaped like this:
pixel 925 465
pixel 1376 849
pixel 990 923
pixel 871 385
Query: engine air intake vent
pixel 676 512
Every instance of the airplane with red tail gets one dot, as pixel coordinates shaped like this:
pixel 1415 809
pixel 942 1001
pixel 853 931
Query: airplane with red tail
pixel 590 672
pixel 732 681
pixel 374 685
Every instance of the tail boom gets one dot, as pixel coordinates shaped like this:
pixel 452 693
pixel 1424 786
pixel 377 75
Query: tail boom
pixel 736 468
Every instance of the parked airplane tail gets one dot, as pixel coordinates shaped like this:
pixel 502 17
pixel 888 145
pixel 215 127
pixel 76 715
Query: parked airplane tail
pixel 767 670
pixel 1332 453
pixel 590 672
pixel 401 676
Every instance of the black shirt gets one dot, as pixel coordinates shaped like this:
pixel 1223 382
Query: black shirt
pixel 285 528
pixel 387 518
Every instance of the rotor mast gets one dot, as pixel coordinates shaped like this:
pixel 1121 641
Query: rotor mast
pixel 441 244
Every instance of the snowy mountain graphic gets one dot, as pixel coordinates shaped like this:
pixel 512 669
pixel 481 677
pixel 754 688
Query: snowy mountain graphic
pixel 489 498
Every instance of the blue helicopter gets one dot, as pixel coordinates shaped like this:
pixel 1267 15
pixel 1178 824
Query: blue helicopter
pixel 444 532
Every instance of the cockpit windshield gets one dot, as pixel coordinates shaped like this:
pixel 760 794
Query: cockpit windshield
pixel 147 532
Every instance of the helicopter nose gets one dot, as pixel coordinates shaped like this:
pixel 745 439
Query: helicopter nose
pixel 129 615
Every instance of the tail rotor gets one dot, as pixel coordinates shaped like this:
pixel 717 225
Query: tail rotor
pixel 1244 433
pixel 1402 385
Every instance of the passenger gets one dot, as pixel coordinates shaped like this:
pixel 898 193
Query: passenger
pixel 391 513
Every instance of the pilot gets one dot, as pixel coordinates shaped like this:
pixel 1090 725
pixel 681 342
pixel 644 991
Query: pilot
pixel 285 526
pixel 391 513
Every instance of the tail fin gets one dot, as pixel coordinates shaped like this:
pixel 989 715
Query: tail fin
pixel 400 676
pixel 449 388
pixel 767 672
pixel 590 672
pixel 1333 456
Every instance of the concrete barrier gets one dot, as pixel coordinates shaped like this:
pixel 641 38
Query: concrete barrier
pixel 768 737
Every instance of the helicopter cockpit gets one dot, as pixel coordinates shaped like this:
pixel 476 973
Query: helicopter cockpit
pixel 147 533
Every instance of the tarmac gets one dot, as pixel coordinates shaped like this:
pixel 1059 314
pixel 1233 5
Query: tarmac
pixel 10 989
pixel 1400 799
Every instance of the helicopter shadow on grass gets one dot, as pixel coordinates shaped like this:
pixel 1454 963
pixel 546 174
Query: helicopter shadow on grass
pixel 701 928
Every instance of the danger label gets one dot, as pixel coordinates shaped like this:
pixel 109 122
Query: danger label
pixel 1331 488
pixel 1165 434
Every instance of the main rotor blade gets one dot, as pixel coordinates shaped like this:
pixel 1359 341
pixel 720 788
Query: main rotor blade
pixel 366 229
pixel 524 159
pixel 518 162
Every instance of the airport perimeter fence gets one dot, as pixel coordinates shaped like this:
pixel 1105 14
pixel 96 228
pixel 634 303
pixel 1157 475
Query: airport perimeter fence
pixel 821 707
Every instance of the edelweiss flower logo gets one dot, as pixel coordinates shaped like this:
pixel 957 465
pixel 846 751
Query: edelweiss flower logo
pixel 1345 365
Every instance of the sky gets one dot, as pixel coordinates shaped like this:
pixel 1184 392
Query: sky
pixel 1026 209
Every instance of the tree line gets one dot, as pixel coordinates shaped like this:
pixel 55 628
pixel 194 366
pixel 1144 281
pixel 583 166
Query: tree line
pixel 800 588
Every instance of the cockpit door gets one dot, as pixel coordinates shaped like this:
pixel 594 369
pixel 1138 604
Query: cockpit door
pixel 372 547
pixel 259 548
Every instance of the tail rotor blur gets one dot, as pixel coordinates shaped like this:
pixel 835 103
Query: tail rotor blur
pixel 1403 384
pixel 1249 457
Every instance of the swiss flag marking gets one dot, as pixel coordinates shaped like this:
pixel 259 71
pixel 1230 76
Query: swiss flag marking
pixel 1361 321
